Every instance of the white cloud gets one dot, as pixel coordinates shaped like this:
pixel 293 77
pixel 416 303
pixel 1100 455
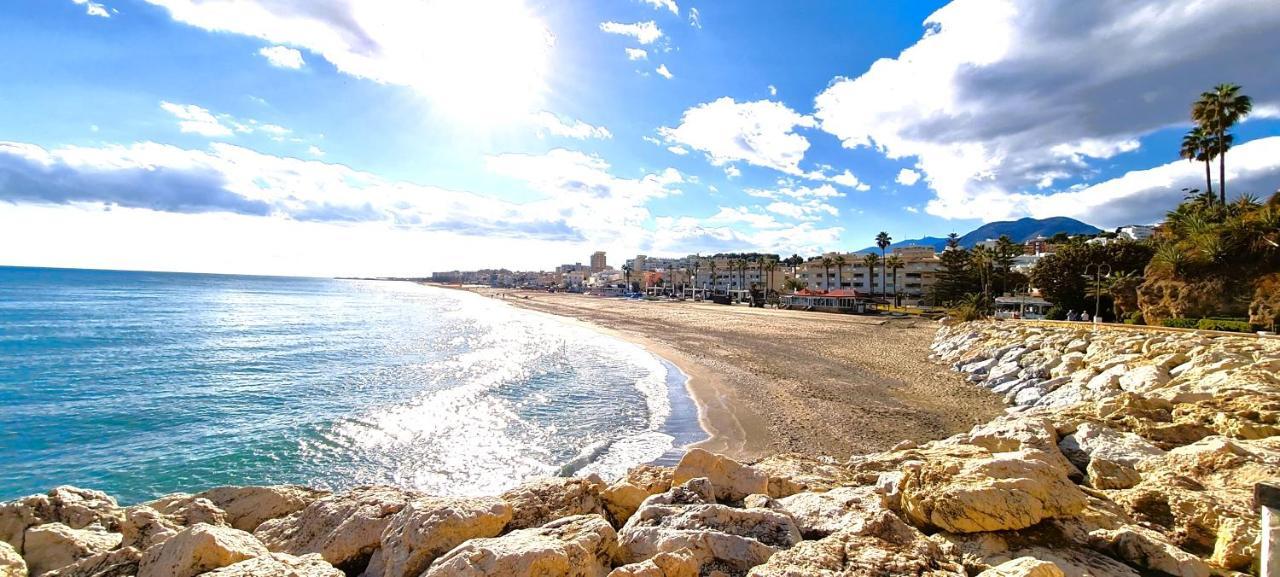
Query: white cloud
pixel 196 120
pixel 743 215
pixel 643 32
pixel 651 140
pixel 683 235
pixel 282 57
pixel 662 71
pixel 315 151
pixel 479 61
pixel 907 177
pixel 636 54
pixel 1143 196
pixel 989 108
pixel 569 128
pixel 759 133
pixel 732 171
pixel 678 150
pixel 660 4
pixel 773 90
pixel 911 209
pixel 93 8
pixel 847 178
pixel 695 18
pixel 799 202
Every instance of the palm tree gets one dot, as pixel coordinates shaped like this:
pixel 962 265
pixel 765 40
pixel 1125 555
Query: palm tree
pixel 883 240
pixel 770 265
pixel 982 259
pixel 894 262
pixel 1196 146
pixel 626 275
pixel 827 262
pixel 871 260
pixel 711 268
pixel 742 273
pixel 839 261
pixel 1216 112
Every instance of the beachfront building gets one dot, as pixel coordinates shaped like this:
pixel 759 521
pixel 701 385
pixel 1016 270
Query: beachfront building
pixel 598 261
pixel 723 274
pixel 918 273
pixel 836 301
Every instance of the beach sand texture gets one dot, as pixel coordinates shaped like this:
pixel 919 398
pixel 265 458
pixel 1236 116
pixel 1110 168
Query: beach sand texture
pixel 770 381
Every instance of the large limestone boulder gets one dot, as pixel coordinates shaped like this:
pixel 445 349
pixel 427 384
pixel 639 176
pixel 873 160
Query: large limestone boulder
pixel 428 528
pixel 732 480
pixel 54 545
pixel 884 546
pixel 969 492
pixel 820 514
pixel 279 565
pixel 622 498
pixel 1109 457
pixel 11 563
pixel 248 507
pixel 143 527
pixel 346 528
pixel 577 546
pixel 791 473
pixel 681 563
pixel 541 501
pixel 71 506
pixel 1024 567
pixel 199 549
pixel 121 562
pixel 716 534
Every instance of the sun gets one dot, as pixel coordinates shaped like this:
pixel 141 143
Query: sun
pixel 478 62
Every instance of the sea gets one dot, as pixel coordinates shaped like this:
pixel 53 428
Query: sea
pixel 142 384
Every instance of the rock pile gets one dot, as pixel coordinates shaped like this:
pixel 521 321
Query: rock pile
pixel 1145 469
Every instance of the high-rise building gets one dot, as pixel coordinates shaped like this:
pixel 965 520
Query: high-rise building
pixel 598 261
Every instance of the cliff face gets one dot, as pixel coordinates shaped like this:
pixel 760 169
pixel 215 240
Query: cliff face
pixel 1124 453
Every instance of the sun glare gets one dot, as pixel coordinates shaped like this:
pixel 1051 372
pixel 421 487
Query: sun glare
pixel 480 63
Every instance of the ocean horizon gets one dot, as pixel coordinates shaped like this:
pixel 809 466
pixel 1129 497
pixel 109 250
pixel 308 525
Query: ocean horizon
pixel 146 383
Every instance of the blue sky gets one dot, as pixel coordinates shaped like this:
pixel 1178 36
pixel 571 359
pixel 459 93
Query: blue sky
pixel 405 136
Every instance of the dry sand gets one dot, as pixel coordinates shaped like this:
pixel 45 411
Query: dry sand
pixel 769 381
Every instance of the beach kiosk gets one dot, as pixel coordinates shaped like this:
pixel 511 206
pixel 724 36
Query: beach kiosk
pixel 836 301
pixel 1021 307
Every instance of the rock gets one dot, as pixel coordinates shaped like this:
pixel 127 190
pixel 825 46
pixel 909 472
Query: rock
pixel 576 546
pixel 1092 441
pixel 71 506
pixel 144 527
pixel 346 528
pixel 986 492
pixel 279 565
pixel 734 538
pixel 681 563
pixel 248 507
pixel 791 473
pixel 1237 545
pixel 1024 567
pixel 820 514
pixel 53 545
pixel 1146 549
pixel 692 492
pixel 541 501
pixel 198 549
pixel 428 528
pixel 883 546
pixel 1104 474
pixel 11 563
pixel 983 551
pixel 121 562
pixel 732 480
pixel 1144 378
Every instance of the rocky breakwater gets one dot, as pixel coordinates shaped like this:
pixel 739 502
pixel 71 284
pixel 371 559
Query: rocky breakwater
pixel 1133 472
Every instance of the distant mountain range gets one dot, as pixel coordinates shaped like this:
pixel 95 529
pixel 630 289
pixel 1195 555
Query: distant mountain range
pixel 1020 231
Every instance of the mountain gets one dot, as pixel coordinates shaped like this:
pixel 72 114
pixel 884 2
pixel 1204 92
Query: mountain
pixel 1020 230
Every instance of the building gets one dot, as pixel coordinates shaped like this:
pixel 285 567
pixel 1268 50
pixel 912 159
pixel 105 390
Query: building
pixel 1038 245
pixel 914 279
pixel 598 261
pixel 1136 232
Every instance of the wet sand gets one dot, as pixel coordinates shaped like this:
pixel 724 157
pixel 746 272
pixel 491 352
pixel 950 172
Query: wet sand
pixel 769 381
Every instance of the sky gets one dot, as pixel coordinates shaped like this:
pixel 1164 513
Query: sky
pixel 401 137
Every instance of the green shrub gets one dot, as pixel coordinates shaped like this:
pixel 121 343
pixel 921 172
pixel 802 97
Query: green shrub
pixel 1134 318
pixel 1055 313
pixel 1180 323
pixel 1225 325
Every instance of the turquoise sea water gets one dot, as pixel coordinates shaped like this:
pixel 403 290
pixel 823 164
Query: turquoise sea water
pixel 141 384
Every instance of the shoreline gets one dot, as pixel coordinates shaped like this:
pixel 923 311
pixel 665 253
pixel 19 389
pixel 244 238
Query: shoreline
pixel 730 428
pixel 767 382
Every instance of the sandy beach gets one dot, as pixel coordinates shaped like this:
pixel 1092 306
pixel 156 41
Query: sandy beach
pixel 769 381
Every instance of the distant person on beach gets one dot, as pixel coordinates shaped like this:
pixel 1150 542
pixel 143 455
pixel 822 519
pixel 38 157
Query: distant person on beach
pixel 1084 316
pixel 1072 316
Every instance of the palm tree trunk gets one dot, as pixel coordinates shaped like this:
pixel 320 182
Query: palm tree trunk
pixel 1208 176
pixel 1222 168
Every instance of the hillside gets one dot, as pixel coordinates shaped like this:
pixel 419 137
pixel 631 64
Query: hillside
pixel 1020 230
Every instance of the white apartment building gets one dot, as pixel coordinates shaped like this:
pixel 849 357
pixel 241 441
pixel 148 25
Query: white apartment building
pixel 918 273
pixel 1136 231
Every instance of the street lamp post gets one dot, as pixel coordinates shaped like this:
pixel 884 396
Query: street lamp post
pixel 1097 285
